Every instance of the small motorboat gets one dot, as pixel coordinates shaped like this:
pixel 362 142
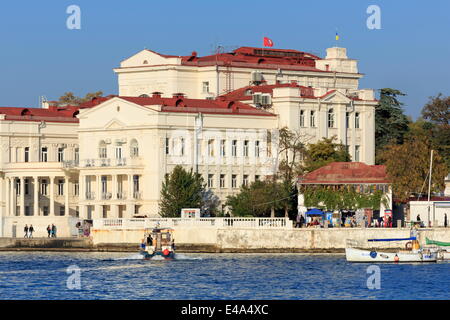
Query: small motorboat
pixel 158 243
pixel 413 253
pixel 441 248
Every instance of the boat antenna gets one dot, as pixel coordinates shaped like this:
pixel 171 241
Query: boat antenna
pixel 429 185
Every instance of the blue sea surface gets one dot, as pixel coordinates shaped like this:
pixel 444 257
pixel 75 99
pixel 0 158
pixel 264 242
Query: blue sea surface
pixel 43 275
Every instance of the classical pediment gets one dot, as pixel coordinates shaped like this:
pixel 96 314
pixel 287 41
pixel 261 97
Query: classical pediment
pixel 335 96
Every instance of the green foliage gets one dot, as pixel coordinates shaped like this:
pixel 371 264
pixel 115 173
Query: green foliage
pixel 390 122
pixel 259 199
pixel 329 198
pixel 323 152
pixel 71 99
pixel 408 165
pixel 181 189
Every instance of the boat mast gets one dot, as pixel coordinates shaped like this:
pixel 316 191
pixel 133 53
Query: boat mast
pixel 429 186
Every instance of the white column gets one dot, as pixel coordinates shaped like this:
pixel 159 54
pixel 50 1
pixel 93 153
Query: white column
pixel 66 196
pixel 22 196
pixel 36 196
pixel 82 186
pixel 7 197
pixel 130 186
pixel 12 201
pixel 52 196
pixel 99 187
pixel 114 187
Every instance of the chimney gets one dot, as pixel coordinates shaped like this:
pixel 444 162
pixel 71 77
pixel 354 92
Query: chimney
pixel 178 95
pixel 156 94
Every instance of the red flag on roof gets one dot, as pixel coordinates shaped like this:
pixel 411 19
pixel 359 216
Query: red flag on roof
pixel 268 42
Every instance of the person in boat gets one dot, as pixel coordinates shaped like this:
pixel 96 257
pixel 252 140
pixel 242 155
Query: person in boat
pixel 149 240
pixel 143 244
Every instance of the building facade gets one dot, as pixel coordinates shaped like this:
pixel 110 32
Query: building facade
pixel 218 115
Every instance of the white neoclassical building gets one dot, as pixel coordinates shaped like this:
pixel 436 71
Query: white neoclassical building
pixel 218 115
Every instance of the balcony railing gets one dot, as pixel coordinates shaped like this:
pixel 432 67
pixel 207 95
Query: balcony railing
pixel 106 195
pixel 107 162
pixel 90 195
pixel 121 195
pixel 70 163
pixel 137 195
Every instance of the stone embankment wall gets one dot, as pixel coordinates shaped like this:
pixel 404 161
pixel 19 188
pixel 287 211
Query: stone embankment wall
pixel 269 240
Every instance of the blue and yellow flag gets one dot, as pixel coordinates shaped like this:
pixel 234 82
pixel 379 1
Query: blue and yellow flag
pixel 337 36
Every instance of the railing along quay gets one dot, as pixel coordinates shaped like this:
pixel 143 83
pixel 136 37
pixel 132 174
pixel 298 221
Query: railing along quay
pixel 228 222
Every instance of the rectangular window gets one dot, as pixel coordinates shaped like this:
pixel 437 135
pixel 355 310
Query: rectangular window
pixel 357 150
pixel 330 118
pixel 233 181
pixel 245 151
pixel 167 146
pixel 27 186
pixel 234 148
pixel 222 181
pixel 257 148
pixel 222 148
pixel 45 211
pixel 136 183
pixel 62 210
pixel 347 120
pixel 44 154
pixel 44 187
pixel 302 118
pixel 182 146
pixel 245 180
pixel 257 177
pixel 206 87
pixel 60 187
pixel 102 152
pixel 27 211
pixel 76 155
pixel 210 180
pixel 17 186
pixel 27 154
pixel 312 119
pixel 76 188
pixel 211 147
pixel 60 154
pixel 118 152
pixel 357 120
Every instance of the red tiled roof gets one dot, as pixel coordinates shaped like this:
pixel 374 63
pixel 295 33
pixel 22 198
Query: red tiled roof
pixel 242 93
pixel 52 114
pixel 249 57
pixel 185 105
pixel 347 173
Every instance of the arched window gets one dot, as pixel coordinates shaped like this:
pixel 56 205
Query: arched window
pixel 134 148
pixel 102 153
pixel 331 118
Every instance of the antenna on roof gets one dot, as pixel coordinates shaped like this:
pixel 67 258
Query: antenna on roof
pixel 43 102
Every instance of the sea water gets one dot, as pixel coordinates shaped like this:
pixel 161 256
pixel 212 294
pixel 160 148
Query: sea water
pixel 42 275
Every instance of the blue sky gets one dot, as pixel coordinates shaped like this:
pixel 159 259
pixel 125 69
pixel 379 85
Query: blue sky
pixel 40 56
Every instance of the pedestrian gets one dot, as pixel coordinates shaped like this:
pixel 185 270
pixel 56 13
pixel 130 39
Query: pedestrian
pixel 26 231
pixel 445 220
pixel 53 231
pixel 49 231
pixel 302 221
pixel 297 220
pixel 30 231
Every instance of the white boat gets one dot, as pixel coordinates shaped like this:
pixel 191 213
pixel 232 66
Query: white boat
pixel 361 255
pixel 414 254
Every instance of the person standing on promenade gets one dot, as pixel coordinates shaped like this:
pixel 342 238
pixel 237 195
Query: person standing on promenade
pixel 53 231
pixel 49 231
pixel 30 231
pixel 297 221
pixel 26 231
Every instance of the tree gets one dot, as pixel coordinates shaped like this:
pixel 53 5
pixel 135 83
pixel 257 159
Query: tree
pixel 390 122
pixel 70 99
pixel 181 189
pixel 260 199
pixel 408 164
pixel 437 112
pixel 323 152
